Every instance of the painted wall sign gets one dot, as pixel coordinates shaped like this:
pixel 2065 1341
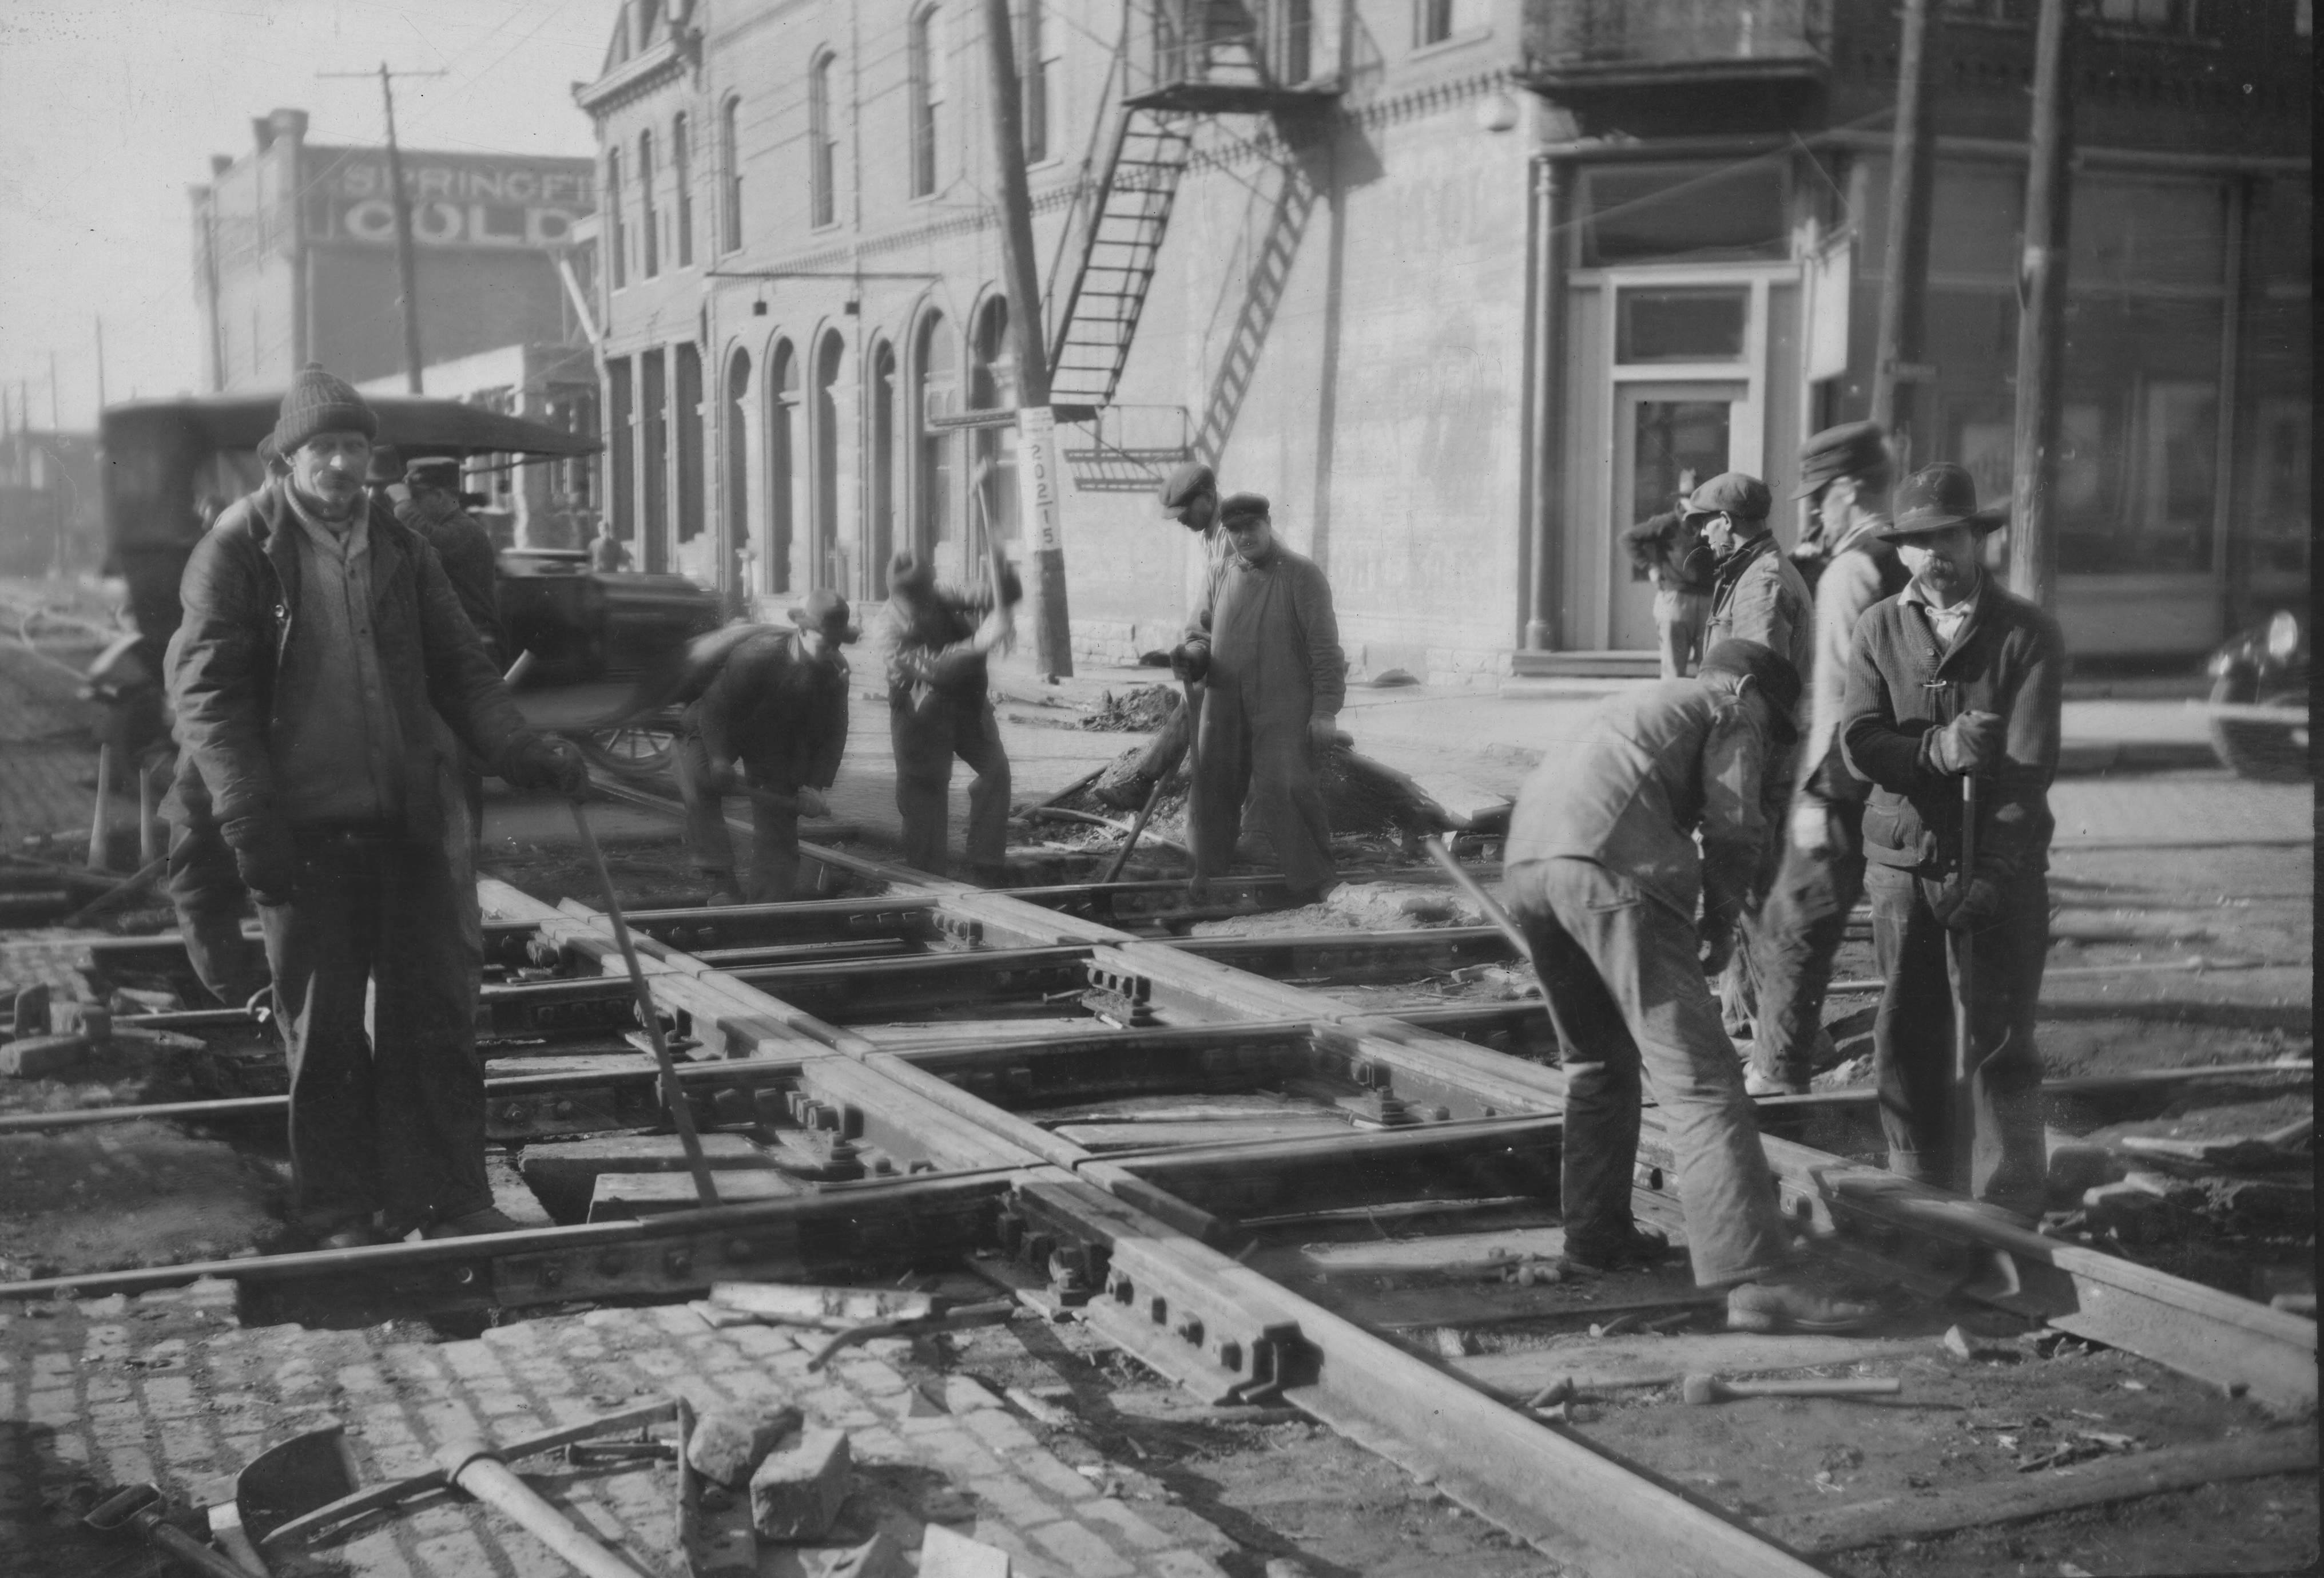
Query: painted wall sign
pixel 481 203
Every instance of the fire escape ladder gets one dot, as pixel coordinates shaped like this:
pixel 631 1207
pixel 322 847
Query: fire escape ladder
pixel 1129 216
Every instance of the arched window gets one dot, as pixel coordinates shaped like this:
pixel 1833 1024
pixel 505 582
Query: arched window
pixel 880 518
pixel 730 175
pixel 924 49
pixel 822 147
pixel 992 387
pixel 647 236
pixel 782 400
pixel 735 439
pixel 830 553
pixel 617 237
pixel 681 176
pixel 939 370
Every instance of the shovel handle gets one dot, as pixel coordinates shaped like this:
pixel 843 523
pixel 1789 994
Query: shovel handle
pixel 1501 919
pixel 487 1479
pixel 1841 1387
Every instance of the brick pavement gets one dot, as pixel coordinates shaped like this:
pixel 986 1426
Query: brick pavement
pixel 87 1397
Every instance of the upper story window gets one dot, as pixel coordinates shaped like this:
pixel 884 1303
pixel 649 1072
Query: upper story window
pixel 730 174
pixel 822 148
pixel 617 239
pixel 1435 21
pixel 681 176
pixel 649 236
pixel 925 50
pixel 1036 75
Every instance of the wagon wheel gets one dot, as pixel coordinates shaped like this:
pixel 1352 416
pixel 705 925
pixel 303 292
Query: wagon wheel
pixel 638 749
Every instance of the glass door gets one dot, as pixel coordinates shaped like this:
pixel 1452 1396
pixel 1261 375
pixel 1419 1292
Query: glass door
pixel 1668 438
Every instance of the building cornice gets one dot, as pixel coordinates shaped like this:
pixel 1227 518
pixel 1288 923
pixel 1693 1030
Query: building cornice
pixel 634 79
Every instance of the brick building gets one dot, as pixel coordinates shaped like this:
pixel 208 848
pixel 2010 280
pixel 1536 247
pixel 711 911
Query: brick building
pixel 1463 285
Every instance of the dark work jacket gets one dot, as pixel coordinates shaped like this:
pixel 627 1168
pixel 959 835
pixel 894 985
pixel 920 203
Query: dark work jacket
pixel 784 713
pixel 924 639
pixel 241 596
pixel 1901 684
pixel 466 550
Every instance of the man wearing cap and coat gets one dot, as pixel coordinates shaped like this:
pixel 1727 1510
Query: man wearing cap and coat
pixel 433 509
pixel 1265 645
pixel 1666 549
pixel 1956 678
pixel 1845 471
pixel 1190 496
pixel 1604 873
pixel 935 641
pixel 324 678
pixel 779 705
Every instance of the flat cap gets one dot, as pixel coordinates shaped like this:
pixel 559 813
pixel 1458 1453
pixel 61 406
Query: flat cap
pixel 386 466
pixel 825 610
pixel 1242 507
pixel 1936 498
pixel 1850 450
pixel 1189 479
pixel 1731 492
pixel 434 471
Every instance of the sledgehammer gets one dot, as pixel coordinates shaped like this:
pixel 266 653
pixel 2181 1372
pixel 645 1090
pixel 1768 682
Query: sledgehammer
pixel 1700 1390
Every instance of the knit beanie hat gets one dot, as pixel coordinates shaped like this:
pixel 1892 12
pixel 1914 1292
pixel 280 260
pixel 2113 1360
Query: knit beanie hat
pixel 320 404
pixel 1758 661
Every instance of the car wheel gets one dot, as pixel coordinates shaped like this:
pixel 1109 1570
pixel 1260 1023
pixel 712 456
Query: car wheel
pixel 639 750
pixel 2273 752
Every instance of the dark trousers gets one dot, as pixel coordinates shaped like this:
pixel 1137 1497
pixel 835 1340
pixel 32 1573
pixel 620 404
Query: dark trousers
pixel 1792 942
pixel 1628 996
pixel 774 843
pixel 391 1122
pixel 1271 762
pixel 1913 1037
pixel 927 738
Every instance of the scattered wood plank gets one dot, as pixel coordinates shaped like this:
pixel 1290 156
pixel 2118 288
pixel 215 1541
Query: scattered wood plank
pixel 1641 1360
pixel 2083 1484
pixel 1453 1254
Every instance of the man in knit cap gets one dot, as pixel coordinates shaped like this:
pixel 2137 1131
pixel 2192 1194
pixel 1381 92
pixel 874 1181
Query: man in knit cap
pixel 325 679
pixel 1604 874
pixel 1265 644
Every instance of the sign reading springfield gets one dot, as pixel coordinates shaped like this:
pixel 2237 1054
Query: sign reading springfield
pixel 456 200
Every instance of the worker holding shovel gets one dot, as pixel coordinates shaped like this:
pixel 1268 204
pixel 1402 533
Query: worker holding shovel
pixel 1953 714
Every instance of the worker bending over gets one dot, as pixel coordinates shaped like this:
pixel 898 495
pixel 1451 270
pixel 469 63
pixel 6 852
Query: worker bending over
pixel 939 707
pixel 321 675
pixel 1265 645
pixel 779 706
pixel 1845 471
pixel 1956 678
pixel 1604 875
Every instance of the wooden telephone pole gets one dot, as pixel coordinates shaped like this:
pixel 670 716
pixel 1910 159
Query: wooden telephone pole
pixel 2041 311
pixel 1038 468
pixel 1898 370
pixel 407 268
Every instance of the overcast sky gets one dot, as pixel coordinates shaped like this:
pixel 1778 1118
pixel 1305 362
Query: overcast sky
pixel 109 109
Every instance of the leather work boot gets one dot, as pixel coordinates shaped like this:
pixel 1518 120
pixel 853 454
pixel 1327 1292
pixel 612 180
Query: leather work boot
pixel 491 1219
pixel 1636 1246
pixel 1794 1306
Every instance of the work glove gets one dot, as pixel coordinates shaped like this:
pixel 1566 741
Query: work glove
pixel 264 857
pixel 1812 828
pixel 1323 732
pixel 811 802
pixel 546 762
pixel 1715 944
pixel 1970 743
pixel 1190 661
pixel 1966 906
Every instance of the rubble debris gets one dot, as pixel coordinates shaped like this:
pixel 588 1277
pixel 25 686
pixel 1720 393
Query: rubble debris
pixel 1136 710
pixel 729 1444
pixel 947 1555
pixel 796 1492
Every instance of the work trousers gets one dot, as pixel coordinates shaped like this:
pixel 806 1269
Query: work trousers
pixel 927 738
pixel 1793 940
pixel 774 832
pixel 1913 1037
pixel 1271 763
pixel 1678 621
pixel 392 1121
pixel 1626 994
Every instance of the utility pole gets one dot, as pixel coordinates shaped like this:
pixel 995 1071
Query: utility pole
pixel 101 364
pixel 1036 425
pixel 407 268
pixel 56 467
pixel 2041 311
pixel 1897 369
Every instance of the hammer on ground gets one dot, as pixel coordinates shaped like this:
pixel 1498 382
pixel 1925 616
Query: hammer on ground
pixel 1699 1390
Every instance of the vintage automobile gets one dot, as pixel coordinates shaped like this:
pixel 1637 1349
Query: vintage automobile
pixel 2258 709
pixel 600 642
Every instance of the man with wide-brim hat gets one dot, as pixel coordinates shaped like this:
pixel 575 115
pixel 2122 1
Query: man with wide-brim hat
pixel 1954 678
pixel 323 678
pixel 778 705
pixel 1845 474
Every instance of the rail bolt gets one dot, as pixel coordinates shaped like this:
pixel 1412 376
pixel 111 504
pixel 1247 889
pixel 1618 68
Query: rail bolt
pixel 552 1273
pixel 740 1249
pixel 1229 1352
pixel 1157 1310
pixel 1190 1330
pixel 562 1107
pixel 513 1113
pixel 677 1262
pixel 610 1263
pixel 1124 1290
pixel 463 1275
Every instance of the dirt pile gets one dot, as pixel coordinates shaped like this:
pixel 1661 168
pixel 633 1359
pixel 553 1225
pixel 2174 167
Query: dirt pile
pixel 1135 711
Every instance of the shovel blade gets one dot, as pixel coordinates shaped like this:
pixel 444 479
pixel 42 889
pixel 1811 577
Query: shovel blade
pixel 294 1477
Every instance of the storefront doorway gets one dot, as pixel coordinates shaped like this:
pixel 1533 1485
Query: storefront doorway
pixel 1668 438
